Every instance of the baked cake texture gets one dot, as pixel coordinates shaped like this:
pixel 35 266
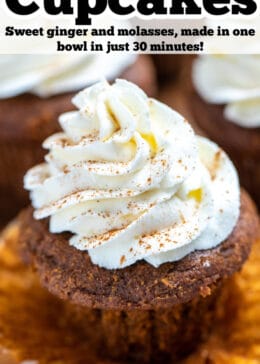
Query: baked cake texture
pixel 139 312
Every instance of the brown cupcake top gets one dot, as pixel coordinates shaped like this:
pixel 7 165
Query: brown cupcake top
pixel 69 273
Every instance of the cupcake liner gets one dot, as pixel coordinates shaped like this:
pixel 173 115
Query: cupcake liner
pixel 54 336
pixel 161 335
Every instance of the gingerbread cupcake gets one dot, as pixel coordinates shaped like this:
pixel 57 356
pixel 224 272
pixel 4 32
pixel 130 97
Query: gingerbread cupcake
pixel 35 90
pixel 226 105
pixel 137 222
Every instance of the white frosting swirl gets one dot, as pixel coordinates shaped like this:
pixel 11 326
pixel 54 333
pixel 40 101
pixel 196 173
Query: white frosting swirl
pixel 50 74
pixel 130 180
pixel 233 80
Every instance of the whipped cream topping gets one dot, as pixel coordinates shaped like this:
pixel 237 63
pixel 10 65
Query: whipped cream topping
pixel 130 180
pixel 233 80
pixel 50 74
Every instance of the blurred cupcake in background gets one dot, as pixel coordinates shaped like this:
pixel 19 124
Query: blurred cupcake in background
pixel 226 106
pixel 35 89
pixel 226 99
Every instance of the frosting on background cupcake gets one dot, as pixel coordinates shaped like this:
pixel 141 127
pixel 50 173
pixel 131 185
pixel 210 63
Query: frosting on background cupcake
pixel 47 75
pixel 229 78
pixel 130 180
